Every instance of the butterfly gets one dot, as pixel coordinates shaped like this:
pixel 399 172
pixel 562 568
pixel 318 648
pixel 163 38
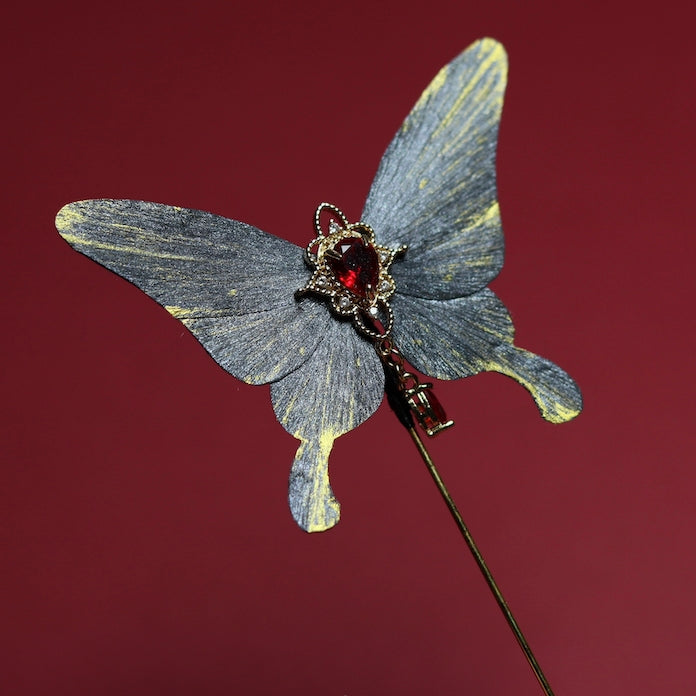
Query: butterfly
pixel 235 287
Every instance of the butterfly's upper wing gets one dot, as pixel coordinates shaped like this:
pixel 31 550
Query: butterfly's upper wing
pixel 435 191
pixel 234 287
pixel 231 284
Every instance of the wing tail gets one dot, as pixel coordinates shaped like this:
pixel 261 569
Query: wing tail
pixel 312 502
pixel 554 391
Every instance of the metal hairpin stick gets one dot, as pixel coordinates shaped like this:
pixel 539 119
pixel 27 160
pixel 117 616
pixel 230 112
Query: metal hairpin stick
pixel 373 318
pixel 481 563
pixel 403 411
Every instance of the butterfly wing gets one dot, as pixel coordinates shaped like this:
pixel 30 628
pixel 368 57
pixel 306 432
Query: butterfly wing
pixel 435 191
pixel 231 284
pixel 461 337
pixel 340 386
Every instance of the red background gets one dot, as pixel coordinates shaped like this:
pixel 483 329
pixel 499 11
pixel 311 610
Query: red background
pixel 147 543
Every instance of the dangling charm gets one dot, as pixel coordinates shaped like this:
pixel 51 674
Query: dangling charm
pixel 353 271
pixel 427 409
pixel 408 397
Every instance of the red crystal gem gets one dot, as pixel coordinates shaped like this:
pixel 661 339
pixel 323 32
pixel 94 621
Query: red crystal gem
pixel 431 416
pixel 358 266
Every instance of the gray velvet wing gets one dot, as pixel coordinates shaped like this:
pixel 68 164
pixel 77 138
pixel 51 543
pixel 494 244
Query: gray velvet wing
pixel 448 339
pixel 435 190
pixel 338 388
pixel 231 284
pixel 456 338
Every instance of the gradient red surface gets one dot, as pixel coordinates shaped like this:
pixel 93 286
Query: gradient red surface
pixel 147 544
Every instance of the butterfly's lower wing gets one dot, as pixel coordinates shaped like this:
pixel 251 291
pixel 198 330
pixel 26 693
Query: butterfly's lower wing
pixel 231 284
pixel 435 189
pixel 341 385
pixel 461 337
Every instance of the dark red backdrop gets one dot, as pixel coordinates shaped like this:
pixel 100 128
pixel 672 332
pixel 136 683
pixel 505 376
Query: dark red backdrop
pixel 147 544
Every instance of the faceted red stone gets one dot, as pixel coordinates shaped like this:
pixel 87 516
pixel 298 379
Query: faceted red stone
pixel 358 266
pixel 431 416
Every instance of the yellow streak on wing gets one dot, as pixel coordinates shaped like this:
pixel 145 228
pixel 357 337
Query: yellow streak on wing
pixel 486 216
pixel 131 228
pixel 430 91
pixel 483 261
pixel 186 312
pixel 285 417
pixel 434 87
pixel 78 241
pixel 504 335
pixel 491 215
pixel 564 414
pixel 496 55
pixel 559 414
pixel 482 220
pixel 269 376
pixel 67 217
pixel 321 496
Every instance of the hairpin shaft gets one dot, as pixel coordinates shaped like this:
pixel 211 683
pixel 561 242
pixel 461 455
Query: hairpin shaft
pixel 490 581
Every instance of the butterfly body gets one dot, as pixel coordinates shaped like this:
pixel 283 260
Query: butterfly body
pixel 235 287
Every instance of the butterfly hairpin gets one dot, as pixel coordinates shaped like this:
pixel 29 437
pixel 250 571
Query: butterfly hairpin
pixel 327 326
